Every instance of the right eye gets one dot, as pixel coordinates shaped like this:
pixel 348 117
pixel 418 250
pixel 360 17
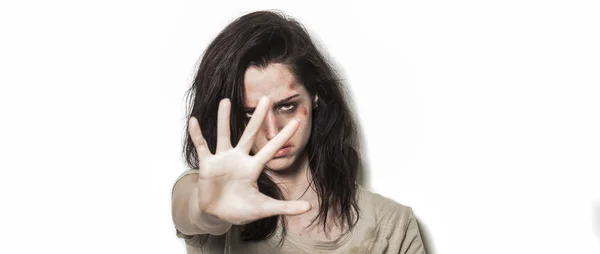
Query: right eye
pixel 249 114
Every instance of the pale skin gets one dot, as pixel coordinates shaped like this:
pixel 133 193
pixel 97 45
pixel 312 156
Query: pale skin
pixel 225 191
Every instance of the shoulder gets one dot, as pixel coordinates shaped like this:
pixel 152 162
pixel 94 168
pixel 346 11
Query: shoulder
pixel 388 224
pixel 182 176
pixel 187 172
pixel 383 209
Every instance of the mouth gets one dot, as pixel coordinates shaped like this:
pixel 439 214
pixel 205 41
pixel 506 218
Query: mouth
pixel 283 151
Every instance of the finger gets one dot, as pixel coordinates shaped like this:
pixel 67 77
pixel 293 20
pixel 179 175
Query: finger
pixel 274 207
pixel 271 148
pixel 223 132
pixel 247 139
pixel 197 138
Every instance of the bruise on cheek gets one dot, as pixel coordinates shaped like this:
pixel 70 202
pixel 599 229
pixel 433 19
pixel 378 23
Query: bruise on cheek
pixel 304 110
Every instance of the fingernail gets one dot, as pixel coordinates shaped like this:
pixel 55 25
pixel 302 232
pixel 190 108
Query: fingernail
pixel 307 207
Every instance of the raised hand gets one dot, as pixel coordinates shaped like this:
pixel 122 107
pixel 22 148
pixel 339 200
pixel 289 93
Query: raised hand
pixel 227 183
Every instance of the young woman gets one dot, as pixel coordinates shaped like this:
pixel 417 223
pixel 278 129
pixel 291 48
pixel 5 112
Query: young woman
pixel 273 151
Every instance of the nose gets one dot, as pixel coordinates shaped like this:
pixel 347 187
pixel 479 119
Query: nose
pixel 271 125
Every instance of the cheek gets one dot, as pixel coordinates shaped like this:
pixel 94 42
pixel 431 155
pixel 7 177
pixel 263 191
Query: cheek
pixel 304 129
pixel 303 111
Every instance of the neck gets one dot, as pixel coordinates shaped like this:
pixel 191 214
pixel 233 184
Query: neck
pixel 294 181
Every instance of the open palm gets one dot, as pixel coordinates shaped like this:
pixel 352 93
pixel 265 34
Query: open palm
pixel 227 183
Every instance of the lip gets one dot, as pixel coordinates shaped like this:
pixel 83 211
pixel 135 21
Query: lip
pixel 283 151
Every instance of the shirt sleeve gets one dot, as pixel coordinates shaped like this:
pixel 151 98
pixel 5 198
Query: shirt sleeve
pixel 189 239
pixel 187 172
pixel 201 243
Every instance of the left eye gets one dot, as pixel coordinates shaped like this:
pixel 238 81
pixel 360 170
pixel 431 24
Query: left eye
pixel 287 107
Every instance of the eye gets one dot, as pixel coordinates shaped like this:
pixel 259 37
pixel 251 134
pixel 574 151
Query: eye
pixel 249 113
pixel 287 107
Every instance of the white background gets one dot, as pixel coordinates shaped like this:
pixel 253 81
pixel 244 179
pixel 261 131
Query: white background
pixel 483 116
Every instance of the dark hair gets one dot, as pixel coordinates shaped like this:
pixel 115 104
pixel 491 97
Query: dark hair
pixel 259 39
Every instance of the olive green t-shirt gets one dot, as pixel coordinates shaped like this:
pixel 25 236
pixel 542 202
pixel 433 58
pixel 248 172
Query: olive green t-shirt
pixel 384 226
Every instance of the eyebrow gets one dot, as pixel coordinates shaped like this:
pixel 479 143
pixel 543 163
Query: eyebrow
pixel 280 102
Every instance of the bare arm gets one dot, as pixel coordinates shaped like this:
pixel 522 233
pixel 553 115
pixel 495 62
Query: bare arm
pixel 187 217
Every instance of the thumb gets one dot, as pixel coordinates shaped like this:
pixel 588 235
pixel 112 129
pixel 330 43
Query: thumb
pixel 274 207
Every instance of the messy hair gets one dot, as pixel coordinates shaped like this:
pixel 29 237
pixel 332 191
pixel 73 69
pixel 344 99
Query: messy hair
pixel 259 39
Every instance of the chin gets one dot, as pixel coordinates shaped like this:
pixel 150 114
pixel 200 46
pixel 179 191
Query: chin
pixel 279 164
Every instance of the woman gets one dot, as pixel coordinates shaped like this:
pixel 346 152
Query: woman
pixel 274 153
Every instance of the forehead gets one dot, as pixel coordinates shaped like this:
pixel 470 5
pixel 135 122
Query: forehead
pixel 275 81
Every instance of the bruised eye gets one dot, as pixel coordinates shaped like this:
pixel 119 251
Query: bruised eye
pixel 287 107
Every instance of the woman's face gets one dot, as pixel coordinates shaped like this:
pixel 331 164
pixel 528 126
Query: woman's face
pixel 289 100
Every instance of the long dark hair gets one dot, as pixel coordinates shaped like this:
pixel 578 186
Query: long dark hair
pixel 259 39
